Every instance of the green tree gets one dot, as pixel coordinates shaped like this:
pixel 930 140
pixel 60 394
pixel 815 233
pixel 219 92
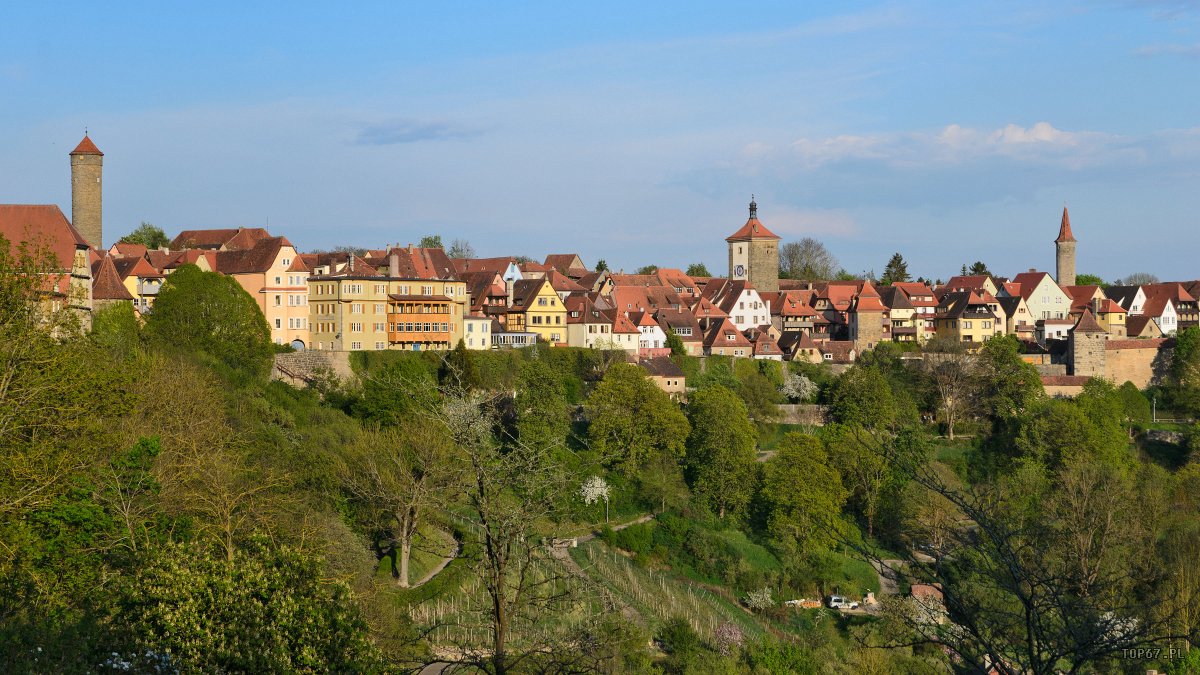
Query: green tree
pixel 459 368
pixel 116 329
pixel 862 397
pixel 720 450
pixel 542 418
pixel 632 420
pixel 397 392
pixel 601 265
pixel 431 241
pixel 1135 407
pixel 896 271
pixel 647 269
pixel 150 236
pixel 397 479
pixel 266 611
pixel 698 270
pixel 860 458
pixel 978 269
pixel 1089 280
pixel 211 313
pixel 803 495
pixel 676 344
pixel 1185 370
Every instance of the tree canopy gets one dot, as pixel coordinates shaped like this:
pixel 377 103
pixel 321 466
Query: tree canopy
pixel 807 259
pixel 211 313
pixel 150 236
pixel 896 271
pixel 632 420
pixel 698 270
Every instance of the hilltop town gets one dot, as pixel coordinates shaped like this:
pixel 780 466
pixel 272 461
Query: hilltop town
pixel 420 298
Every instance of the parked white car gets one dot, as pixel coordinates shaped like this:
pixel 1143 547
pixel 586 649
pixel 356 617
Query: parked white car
pixel 839 602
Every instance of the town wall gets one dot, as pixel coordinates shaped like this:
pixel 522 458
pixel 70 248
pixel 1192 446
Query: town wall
pixel 298 368
pixel 1142 362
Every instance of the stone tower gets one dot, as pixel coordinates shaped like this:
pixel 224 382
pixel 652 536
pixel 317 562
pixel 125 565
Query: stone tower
pixel 1086 342
pixel 87 166
pixel 866 319
pixel 754 254
pixel 1064 248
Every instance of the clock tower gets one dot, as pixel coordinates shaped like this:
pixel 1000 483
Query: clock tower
pixel 754 254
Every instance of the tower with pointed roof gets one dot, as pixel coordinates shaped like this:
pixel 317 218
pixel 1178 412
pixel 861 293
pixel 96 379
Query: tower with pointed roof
pixel 1085 345
pixel 87 168
pixel 754 254
pixel 1064 248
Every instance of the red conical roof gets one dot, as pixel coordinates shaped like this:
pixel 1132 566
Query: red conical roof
pixel 753 229
pixel 86 147
pixel 1064 230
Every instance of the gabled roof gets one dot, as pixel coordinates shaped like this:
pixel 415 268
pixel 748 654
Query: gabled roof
pixel 106 283
pixel 256 259
pixel 1123 295
pixel 724 293
pixel 299 265
pixel 705 309
pixel 41 225
pixel 1064 228
pixel 498 265
pixel 1029 282
pixel 1010 303
pixel 841 351
pixel 675 319
pixel 525 292
pixel 126 250
pixel 895 298
pixel 793 341
pixel 725 334
pixel 415 262
pixel 1142 326
pixel 764 345
pixel 136 267
pixel 565 263
pixel 790 303
pixel 214 239
pixel 661 366
pixel 753 229
pixel 86 147
pixel 1158 296
pixel 562 283
pixel 1081 296
pixel 622 324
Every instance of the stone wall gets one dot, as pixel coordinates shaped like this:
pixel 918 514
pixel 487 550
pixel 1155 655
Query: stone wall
pixel 1142 362
pixel 86 204
pixel 811 415
pixel 1051 369
pixel 763 269
pixel 299 368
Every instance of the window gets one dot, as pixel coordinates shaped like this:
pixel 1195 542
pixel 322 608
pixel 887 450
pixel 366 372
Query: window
pixel 355 345
pixel 356 328
pixel 380 309
pixel 542 302
pixel 470 328
pixel 278 300
pixel 558 320
pixel 380 289
pixel 427 290
pixel 356 308
pixel 287 261
pixel 278 280
pixel 987 324
pixel 378 327
pixel 278 323
pixel 967 324
pixel 380 345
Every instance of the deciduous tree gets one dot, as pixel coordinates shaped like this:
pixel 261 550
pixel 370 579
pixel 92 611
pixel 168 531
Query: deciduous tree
pixel 150 236
pixel 720 450
pixel 807 259
pixel 633 420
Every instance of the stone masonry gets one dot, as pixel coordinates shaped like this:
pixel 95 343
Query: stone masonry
pixel 87 168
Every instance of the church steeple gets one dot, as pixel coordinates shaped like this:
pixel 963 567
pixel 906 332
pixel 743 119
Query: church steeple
pixel 753 209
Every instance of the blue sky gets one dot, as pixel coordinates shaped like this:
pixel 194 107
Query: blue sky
pixel 949 132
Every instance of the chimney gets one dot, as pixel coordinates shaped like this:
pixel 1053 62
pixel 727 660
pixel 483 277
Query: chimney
pixel 1032 269
pixel 1096 306
pixel 411 248
pixel 351 256
pixel 394 265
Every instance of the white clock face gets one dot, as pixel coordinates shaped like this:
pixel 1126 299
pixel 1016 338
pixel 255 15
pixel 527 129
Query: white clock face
pixel 739 270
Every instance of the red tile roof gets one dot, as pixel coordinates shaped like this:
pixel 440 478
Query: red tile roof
pixel 255 260
pixel 245 238
pixel 753 229
pixel 1152 343
pixel 1087 324
pixel 106 283
pixel 86 147
pixel 1064 229
pixel 41 225
pixel 124 250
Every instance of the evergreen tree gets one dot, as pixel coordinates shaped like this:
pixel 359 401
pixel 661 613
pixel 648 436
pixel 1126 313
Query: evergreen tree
pixel 896 271
pixel 978 269
pixel 601 265
pixel 698 270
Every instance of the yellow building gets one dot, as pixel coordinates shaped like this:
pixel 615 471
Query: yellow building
pixel 537 308
pixel 351 305
pixel 966 317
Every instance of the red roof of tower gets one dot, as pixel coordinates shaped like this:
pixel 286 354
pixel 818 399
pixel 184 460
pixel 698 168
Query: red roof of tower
pixel 753 229
pixel 86 147
pixel 1064 230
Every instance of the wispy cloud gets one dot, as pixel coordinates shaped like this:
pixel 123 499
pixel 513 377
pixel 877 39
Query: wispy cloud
pixel 413 131
pixel 1170 49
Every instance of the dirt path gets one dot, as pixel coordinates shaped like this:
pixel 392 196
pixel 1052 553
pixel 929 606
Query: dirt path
pixel 886 569
pixel 440 566
pixel 617 528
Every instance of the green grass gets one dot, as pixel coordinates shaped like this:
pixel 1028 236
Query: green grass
pixel 857 576
pixel 430 547
pixel 658 595
pixel 771 434
pixel 757 556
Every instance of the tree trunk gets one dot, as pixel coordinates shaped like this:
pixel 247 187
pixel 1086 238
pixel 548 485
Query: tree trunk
pixel 405 550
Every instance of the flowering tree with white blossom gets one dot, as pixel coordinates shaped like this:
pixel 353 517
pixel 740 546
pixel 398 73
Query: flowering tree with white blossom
pixel 593 490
